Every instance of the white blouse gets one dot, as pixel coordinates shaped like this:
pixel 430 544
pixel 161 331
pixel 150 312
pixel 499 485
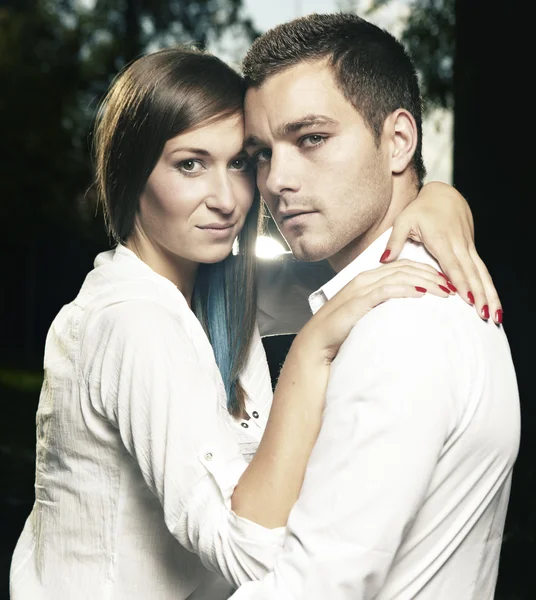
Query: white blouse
pixel 137 456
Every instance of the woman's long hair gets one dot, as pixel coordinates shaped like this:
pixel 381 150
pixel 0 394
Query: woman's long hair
pixel 156 98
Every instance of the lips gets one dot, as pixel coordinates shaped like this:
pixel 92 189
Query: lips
pixel 290 215
pixel 219 226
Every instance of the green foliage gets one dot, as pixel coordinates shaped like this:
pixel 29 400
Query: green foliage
pixel 22 380
pixel 429 36
pixel 57 57
pixel 40 74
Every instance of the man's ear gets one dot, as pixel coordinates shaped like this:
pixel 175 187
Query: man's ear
pixel 401 129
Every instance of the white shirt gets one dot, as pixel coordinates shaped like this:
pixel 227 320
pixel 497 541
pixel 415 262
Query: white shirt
pixel 137 456
pixel 406 491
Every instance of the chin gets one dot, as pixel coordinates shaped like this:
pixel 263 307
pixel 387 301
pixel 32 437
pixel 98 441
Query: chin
pixel 309 253
pixel 213 258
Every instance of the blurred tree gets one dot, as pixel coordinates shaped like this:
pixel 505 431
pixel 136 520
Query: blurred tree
pixel 57 57
pixel 429 36
pixel 41 163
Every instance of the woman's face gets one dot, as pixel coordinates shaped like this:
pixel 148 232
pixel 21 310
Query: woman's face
pixel 196 199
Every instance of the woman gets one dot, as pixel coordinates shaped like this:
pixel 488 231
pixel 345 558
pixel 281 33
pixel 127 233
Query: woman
pixel 156 390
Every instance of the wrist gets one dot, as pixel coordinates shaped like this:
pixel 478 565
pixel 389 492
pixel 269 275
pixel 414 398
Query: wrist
pixel 309 348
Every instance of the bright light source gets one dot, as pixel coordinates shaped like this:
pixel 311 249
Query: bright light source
pixel 267 247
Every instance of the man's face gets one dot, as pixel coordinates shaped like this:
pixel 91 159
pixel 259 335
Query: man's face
pixel 326 182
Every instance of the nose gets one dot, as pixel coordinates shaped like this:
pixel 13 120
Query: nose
pixel 223 197
pixel 282 175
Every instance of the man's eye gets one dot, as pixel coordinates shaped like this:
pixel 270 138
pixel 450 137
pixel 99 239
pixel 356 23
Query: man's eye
pixel 263 156
pixel 312 140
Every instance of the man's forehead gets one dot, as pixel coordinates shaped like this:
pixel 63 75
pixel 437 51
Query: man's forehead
pixel 292 100
pixel 284 93
pixel 296 79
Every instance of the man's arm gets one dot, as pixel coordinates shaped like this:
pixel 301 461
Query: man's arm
pixel 389 411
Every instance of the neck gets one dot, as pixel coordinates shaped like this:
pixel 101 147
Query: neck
pixel 402 195
pixel 178 270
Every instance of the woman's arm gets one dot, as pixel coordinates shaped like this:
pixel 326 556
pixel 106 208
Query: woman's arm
pixel 271 484
pixel 441 219
pixel 146 377
pixel 150 372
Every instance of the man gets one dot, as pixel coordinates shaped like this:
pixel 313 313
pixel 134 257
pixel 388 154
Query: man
pixel 406 491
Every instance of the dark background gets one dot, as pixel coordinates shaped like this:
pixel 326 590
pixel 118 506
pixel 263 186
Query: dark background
pixel 55 61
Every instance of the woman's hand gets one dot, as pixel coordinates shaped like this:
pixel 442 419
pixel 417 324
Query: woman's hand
pixel 329 327
pixel 441 219
pixel 271 484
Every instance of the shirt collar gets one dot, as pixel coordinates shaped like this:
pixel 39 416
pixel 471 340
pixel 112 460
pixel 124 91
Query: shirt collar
pixel 368 259
pixel 122 266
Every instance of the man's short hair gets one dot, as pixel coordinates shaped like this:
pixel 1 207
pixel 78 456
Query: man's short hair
pixel 372 69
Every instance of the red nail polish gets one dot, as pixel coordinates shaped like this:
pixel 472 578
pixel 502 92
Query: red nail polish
pixel 452 287
pixel 471 297
pixel 443 275
pixel 385 255
pixel 420 289
pixel 499 316
pixel 445 289
pixel 485 311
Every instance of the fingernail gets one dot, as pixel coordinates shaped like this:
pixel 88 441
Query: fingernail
pixel 451 286
pixel 385 255
pixel 471 297
pixel 485 311
pixel 499 316
pixel 446 290
pixel 420 289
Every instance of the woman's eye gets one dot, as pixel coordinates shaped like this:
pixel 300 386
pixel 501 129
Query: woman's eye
pixel 240 164
pixel 189 166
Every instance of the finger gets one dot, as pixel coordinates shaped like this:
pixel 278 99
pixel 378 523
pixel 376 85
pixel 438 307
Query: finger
pixel 430 279
pixel 433 285
pixel 456 271
pixel 374 274
pixel 475 293
pixel 346 315
pixel 396 241
pixel 494 302
pixel 404 271
pixel 420 283
pixel 400 272
pixel 387 291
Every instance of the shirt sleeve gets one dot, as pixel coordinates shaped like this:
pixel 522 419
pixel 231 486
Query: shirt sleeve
pixel 285 285
pixel 389 412
pixel 146 376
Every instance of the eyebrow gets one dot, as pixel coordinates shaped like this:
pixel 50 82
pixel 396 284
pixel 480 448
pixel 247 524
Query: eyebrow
pixel 293 127
pixel 191 151
pixel 200 151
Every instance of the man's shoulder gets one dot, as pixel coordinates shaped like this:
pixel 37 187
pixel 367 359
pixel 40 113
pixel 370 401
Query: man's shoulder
pixel 429 311
pixel 419 327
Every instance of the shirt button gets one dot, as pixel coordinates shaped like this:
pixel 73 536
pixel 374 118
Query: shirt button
pixel 208 456
pixel 244 425
pixel 255 414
